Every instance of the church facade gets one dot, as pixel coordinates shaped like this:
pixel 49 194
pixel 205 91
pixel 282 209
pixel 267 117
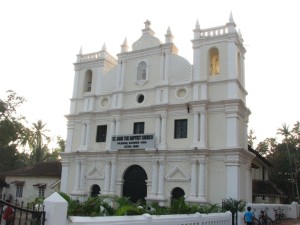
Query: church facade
pixel 150 125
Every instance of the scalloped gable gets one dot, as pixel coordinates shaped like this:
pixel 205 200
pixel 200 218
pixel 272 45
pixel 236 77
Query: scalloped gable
pixel 180 70
pixel 147 40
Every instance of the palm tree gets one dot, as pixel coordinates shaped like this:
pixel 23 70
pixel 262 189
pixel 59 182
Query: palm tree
pixel 286 133
pixel 39 140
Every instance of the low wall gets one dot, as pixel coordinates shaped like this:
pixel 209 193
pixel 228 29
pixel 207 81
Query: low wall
pixel 197 219
pixel 290 211
pixel 56 213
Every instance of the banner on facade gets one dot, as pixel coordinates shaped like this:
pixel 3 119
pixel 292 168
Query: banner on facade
pixel 133 141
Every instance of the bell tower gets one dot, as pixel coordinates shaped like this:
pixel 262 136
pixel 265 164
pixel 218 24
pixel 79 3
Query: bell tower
pixel 219 83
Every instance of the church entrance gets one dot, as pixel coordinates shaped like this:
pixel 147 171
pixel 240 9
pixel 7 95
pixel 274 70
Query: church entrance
pixel 135 183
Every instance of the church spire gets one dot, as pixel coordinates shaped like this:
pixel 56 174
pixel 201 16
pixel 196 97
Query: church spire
pixel 124 46
pixel 168 36
pixel 79 54
pixel 104 47
pixel 231 24
pixel 197 30
pixel 103 50
pixel 231 18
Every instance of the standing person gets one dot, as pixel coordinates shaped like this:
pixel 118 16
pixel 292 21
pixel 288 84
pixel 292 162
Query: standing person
pixel 8 214
pixel 248 216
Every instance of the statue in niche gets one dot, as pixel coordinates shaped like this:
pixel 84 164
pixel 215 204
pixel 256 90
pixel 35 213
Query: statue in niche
pixel 215 67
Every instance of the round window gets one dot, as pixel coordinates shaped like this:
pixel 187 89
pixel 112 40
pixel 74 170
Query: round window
pixel 181 93
pixel 140 98
pixel 104 102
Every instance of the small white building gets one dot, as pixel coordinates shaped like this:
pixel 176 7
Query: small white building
pixel 151 125
pixel 28 183
pixel 263 190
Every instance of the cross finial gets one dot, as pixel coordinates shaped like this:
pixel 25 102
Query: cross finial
pixel 147 24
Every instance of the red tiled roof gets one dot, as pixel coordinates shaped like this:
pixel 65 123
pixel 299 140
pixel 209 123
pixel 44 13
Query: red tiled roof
pixel 266 188
pixel 40 169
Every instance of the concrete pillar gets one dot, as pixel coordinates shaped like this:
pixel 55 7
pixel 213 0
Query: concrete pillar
pixel 163 131
pixel 107 178
pixel 154 177
pixel 77 174
pixel 64 176
pixel 69 140
pixel 202 180
pixel 158 130
pixel 82 174
pixel 118 125
pixel 193 178
pixel 56 208
pixel 196 128
pixel 161 181
pixel 83 134
pixel 203 142
pixel 113 177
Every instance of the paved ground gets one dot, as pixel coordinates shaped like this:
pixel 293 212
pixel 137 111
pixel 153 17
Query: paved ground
pixel 290 222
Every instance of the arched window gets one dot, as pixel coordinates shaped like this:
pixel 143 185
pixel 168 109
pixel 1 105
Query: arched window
pixel 142 71
pixel 95 190
pixel 214 61
pixel 88 78
pixel 177 193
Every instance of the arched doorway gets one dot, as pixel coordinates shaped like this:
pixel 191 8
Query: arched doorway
pixel 134 185
pixel 177 193
pixel 95 190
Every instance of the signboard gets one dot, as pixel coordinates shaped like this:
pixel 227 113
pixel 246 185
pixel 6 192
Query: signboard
pixel 133 141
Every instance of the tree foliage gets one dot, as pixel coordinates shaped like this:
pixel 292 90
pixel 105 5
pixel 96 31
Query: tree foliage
pixel 284 155
pixel 119 206
pixel 16 135
pixel 11 129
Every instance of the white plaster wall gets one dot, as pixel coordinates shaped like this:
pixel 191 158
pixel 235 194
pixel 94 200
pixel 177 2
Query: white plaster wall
pixel 153 72
pixel 217 91
pixel 77 136
pixel 216 179
pixel 30 192
pixel 71 177
pixel 216 129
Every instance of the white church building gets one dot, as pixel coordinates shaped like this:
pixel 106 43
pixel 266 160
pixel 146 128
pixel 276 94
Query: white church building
pixel 151 125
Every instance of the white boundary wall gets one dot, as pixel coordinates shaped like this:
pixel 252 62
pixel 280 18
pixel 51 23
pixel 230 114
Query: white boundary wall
pixel 56 213
pixel 291 211
pixel 195 219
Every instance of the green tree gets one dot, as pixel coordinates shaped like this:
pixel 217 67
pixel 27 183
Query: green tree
pixel 11 129
pixel 289 140
pixel 38 141
pixel 251 138
pixel 11 124
pixel 55 152
pixel 266 146
pixel 285 159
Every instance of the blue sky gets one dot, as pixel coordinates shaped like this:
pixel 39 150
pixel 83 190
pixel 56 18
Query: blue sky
pixel 40 39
